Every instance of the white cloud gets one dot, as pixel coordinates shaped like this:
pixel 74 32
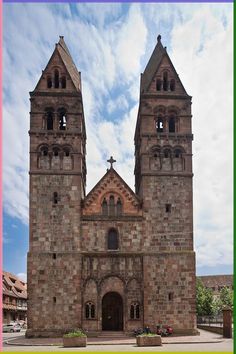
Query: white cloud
pixel 22 276
pixel 120 103
pixel 131 43
pixel 210 55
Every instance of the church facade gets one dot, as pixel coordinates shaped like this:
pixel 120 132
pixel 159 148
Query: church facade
pixel 112 259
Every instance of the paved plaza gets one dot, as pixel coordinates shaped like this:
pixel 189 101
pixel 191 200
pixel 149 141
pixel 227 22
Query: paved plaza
pixel 206 341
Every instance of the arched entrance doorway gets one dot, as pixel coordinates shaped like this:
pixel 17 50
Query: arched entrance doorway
pixel 112 312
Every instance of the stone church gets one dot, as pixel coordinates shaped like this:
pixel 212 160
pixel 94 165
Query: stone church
pixel 112 259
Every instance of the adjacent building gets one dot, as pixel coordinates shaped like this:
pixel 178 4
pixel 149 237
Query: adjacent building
pixel 217 282
pixel 14 293
pixel 112 259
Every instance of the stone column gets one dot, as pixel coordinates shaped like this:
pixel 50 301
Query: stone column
pixel 227 323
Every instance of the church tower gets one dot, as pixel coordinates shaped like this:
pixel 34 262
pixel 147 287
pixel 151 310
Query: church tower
pixel 57 185
pixel 163 181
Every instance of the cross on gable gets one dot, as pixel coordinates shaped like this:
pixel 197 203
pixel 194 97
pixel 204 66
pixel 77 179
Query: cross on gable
pixel 111 160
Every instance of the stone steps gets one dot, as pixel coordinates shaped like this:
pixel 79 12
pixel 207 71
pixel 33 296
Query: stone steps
pixel 112 334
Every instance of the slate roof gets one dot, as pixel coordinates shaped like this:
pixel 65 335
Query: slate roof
pixel 68 61
pixel 152 65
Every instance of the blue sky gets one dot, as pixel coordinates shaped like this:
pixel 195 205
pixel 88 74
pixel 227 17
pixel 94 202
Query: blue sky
pixel 111 45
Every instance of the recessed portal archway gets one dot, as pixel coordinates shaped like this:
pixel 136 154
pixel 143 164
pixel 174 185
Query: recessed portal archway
pixel 112 312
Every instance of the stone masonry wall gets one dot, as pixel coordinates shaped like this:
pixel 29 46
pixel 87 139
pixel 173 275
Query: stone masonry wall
pixel 167 231
pixel 94 235
pixel 54 287
pixel 169 291
pixel 59 223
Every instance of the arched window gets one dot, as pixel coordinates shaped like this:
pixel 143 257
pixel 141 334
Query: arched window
pixel 166 153
pixel 89 310
pixel 112 240
pixel 135 311
pixel 67 152
pixel 49 120
pixel 119 207
pixel 159 125
pixel 156 153
pixel 172 125
pixel 104 207
pixel 49 82
pixel 55 152
pixel 172 84
pixel 112 205
pixel 177 153
pixel 62 119
pixel 56 78
pixel 44 151
pixel 55 197
pixel 165 81
pixel 158 85
pixel 63 82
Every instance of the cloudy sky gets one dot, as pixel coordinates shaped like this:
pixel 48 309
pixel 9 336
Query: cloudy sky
pixel 111 45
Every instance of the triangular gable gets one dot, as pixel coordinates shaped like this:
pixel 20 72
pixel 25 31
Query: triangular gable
pixel 158 58
pixel 62 53
pixel 111 183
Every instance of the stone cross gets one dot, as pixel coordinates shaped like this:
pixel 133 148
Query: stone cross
pixel 111 160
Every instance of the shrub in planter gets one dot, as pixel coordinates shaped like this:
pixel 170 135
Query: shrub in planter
pixel 75 339
pixel 150 339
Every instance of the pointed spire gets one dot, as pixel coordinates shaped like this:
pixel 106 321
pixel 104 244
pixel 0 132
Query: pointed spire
pixel 153 64
pixel 68 61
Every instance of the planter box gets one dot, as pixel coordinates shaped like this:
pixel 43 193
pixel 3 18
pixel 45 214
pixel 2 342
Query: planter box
pixel 75 342
pixel 144 341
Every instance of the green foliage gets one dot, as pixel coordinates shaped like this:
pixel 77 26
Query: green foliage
pixel 204 300
pixel 225 299
pixel 147 335
pixel 75 333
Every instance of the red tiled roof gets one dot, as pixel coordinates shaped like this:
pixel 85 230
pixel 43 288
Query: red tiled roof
pixel 13 286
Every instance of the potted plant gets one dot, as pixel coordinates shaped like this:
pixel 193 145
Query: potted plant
pixel 148 339
pixel 75 338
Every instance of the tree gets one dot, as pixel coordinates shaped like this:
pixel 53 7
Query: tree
pixel 225 299
pixel 204 300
